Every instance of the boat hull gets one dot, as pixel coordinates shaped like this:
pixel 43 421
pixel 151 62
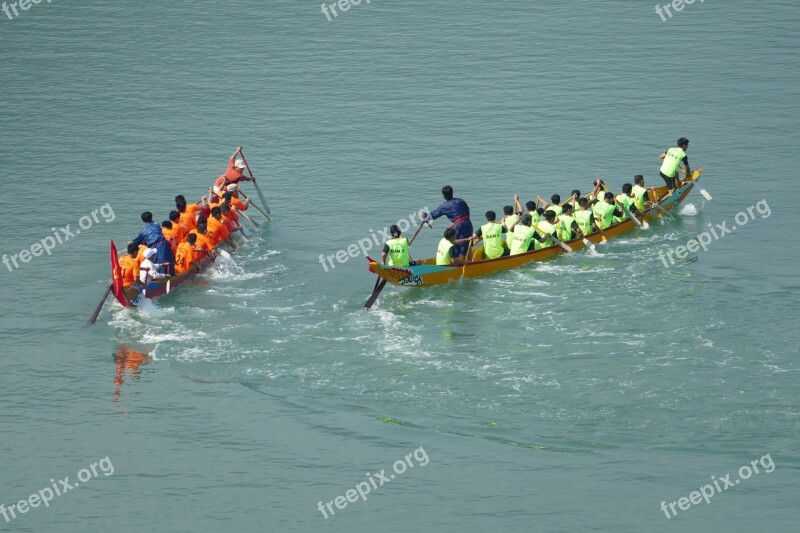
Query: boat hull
pixel 427 272
pixel 131 295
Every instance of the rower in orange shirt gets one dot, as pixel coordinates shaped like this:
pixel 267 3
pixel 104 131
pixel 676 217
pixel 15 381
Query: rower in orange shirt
pixel 169 235
pixel 130 266
pixel 184 257
pixel 203 244
pixel 180 229
pixel 234 174
pixel 188 212
pixel 227 218
pixel 216 228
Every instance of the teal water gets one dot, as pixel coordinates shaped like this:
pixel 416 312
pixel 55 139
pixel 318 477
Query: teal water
pixel 572 395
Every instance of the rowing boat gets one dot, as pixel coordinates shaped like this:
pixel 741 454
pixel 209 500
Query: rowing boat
pixel 132 295
pixel 426 272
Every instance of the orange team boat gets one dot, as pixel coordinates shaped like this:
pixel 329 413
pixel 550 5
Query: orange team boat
pixel 132 295
pixel 426 272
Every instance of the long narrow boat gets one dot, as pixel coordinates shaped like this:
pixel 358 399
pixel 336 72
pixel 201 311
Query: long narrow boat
pixel 426 272
pixel 131 295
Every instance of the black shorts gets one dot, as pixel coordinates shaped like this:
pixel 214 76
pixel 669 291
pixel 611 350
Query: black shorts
pixel 669 181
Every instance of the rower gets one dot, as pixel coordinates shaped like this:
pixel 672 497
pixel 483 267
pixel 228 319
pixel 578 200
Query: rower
pixel 457 211
pixel 188 212
pixel 217 232
pixel 184 258
pixel 444 253
pixel 396 249
pixel 180 229
pixel 148 269
pixel 522 237
pixel 152 236
pixel 554 205
pixel 573 200
pixel 492 235
pixel 605 210
pixel 169 234
pixel 130 265
pixel 672 161
pixel 625 200
pixel 510 219
pixel 640 193
pixel 548 227
pixel 234 174
pixel 227 218
pixel 567 226
pixel 203 244
pixel 584 217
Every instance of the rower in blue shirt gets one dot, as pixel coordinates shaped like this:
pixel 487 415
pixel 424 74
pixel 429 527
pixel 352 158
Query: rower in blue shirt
pixel 151 236
pixel 457 211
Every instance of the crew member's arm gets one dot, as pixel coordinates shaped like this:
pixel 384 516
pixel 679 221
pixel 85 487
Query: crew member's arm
pixel 384 253
pixel 577 229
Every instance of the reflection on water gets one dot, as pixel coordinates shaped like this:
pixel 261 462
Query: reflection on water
pixel 128 363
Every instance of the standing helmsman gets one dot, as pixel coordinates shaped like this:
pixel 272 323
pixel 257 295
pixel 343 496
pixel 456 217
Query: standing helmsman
pixel 672 162
pixel 151 236
pixel 457 211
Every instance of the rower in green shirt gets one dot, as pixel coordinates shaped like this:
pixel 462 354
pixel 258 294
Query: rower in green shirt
pixel 396 249
pixel 548 228
pixel 626 201
pixel 510 219
pixel 567 226
pixel 492 235
pixel 444 253
pixel 605 210
pixel 522 236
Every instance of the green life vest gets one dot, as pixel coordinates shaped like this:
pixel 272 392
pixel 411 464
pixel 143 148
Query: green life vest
pixel 584 220
pixel 555 208
pixel 535 217
pixel 546 227
pixel 565 227
pixel 443 252
pixel 639 197
pixel 627 201
pixel 672 161
pixel 492 234
pixel 603 214
pixel 398 252
pixel 510 222
pixel 521 239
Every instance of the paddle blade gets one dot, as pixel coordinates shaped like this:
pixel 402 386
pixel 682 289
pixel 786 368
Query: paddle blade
pixel 261 197
pixel 92 319
pixel 374 296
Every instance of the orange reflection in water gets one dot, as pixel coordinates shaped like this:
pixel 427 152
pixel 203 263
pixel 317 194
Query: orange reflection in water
pixel 128 363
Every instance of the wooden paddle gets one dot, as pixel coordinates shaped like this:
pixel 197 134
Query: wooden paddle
pixel 466 259
pixel 380 283
pixel 93 318
pixel 253 222
pixel 555 239
pixel 257 208
pixel 255 184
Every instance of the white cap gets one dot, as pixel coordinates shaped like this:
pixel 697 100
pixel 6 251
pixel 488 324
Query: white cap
pixel 232 187
pixel 150 252
pixel 239 163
